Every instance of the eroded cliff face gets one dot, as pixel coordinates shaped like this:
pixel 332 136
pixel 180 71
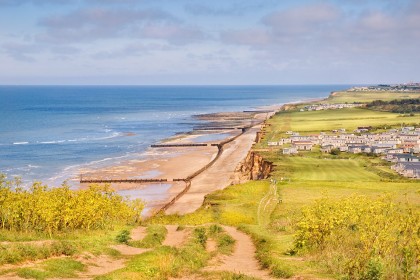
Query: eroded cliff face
pixel 253 167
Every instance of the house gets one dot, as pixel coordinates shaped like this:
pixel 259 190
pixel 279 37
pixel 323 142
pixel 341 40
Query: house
pixel 290 151
pixel 366 149
pixel 289 132
pixel 406 158
pixel 409 137
pixel 286 140
pixel 300 138
pixel 344 148
pixel 396 151
pixel 379 150
pixel 303 145
pixel 408 169
pixel 355 149
pixel 326 148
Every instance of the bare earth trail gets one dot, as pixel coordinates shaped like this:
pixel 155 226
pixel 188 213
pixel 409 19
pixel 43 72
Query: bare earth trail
pixel 175 238
pixel 243 260
pixel 216 177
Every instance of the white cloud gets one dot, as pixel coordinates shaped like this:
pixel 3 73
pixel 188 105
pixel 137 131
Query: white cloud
pixel 90 24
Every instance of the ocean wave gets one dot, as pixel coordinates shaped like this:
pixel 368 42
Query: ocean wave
pixel 25 168
pixel 87 139
pixel 52 142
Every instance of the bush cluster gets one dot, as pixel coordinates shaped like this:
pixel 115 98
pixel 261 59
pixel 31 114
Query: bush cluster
pixel 396 106
pixel 50 210
pixel 362 238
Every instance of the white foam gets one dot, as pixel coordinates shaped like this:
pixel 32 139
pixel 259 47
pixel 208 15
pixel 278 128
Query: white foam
pixel 52 142
pixel 20 143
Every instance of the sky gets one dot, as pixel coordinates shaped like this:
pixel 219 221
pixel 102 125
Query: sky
pixel 218 42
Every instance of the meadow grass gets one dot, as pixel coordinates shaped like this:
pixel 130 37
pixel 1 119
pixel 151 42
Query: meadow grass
pixel 350 97
pixel 312 175
pixel 315 169
pixel 54 268
pixel 18 252
pixel 155 236
pixel 234 205
pixel 164 261
pixel 310 122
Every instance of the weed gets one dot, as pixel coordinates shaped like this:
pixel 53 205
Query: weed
pixel 123 236
pixel 155 236
pixel 200 235
pixel 225 243
pixel 30 273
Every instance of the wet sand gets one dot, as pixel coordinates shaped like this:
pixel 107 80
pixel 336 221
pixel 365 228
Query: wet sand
pixel 181 162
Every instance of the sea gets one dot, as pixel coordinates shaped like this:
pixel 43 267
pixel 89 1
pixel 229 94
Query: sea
pixel 47 133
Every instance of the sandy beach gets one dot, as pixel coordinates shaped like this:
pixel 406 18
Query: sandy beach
pixel 182 162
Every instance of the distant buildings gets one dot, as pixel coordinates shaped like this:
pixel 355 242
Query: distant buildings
pixel 320 107
pixel 397 87
pixel 401 147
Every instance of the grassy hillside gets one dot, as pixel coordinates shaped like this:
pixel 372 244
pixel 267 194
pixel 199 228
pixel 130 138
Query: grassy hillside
pixel 327 217
pixel 316 121
pixel 362 96
pixel 310 176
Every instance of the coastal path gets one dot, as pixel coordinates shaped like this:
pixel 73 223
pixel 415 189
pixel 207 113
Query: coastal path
pixel 242 260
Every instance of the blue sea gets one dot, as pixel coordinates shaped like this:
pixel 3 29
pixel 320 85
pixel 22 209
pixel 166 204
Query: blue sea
pixel 49 132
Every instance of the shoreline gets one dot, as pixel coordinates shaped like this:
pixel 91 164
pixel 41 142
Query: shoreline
pixel 198 170
pixel 175 162
pixel 181 162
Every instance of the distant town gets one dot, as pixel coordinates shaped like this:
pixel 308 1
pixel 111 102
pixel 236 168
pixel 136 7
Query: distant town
pixel 399 146
pixel 408 87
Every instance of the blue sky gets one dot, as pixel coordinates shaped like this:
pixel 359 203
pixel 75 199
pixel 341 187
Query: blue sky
pixel 168 42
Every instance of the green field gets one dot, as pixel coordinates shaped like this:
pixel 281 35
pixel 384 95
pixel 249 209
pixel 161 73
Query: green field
pixel 313 175
pixel 316 121
pixel 314 169
pixel 350 97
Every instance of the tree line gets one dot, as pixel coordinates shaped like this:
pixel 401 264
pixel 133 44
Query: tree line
pixel 402 106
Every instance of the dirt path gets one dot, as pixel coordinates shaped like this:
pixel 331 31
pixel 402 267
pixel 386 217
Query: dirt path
pixel 100 265
pixel 216 177
pixel 243 258
pixel 174 237
pixel 138 233
pixel 95 266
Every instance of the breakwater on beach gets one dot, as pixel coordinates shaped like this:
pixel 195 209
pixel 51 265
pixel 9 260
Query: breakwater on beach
pixel 54 134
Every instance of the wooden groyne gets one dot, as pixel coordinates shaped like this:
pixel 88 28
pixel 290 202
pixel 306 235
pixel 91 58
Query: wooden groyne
pixel 215 128
pixel 179 145
pixel 258 111
pixel 106 181
pixel 187 180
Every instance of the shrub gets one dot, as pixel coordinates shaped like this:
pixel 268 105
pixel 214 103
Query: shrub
pixel 200 235
pixel 155 236
pixel 362 238
pixel 51 210
pixel 123 236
